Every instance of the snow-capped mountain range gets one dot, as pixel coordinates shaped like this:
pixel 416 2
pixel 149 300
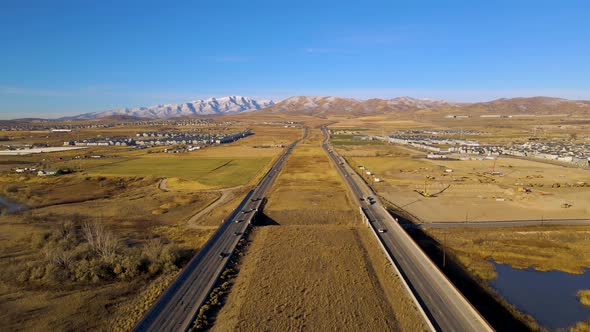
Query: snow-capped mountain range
pixel 211 106
pixel 330 105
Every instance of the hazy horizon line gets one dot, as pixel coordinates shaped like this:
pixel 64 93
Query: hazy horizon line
pixel 470 96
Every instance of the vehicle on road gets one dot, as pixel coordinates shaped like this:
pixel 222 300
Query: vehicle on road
pixel 223 254
pixel 382 230
pixel 238 221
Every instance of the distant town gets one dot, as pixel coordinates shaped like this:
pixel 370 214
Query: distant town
pixel 66 126
pixel 446 148
pixel 150 139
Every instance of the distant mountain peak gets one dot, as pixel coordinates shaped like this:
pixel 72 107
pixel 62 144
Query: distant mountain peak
pixel 330 104
pixel 211 106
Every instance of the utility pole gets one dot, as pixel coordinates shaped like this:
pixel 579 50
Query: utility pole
pixel 444 263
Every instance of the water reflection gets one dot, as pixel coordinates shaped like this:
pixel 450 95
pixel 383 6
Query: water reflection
pixel 550 297
pixel 9 206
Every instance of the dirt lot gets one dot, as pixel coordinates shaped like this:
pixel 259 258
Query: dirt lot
pixel 473 193
pixel 314 270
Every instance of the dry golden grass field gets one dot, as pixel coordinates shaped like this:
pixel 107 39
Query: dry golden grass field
pixel 318 269
pixel 473 193
pixel 545 248
pixel 54 279
pixel 314 268
pixel 316 278
pixel 564 248
pixel 309 190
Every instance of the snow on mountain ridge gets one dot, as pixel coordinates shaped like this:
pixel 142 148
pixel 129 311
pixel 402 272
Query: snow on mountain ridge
pixel 211 106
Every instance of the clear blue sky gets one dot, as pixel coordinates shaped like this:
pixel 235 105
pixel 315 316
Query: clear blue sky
pixel 69 57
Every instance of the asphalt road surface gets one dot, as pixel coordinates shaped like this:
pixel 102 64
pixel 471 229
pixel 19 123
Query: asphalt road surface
pixel 178 306
pixel 446 308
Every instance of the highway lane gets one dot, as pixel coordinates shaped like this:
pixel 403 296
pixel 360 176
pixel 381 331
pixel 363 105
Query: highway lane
pixel 178 306
pixel 444 305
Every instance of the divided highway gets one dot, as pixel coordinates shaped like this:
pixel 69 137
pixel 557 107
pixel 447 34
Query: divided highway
pixel 178 306
pixel 445 307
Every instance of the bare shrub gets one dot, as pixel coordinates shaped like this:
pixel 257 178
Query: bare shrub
pixel 64 229
pixel 64 259
pixel 103 242
pixel 152 249
pixel 12 188
pixel 38 240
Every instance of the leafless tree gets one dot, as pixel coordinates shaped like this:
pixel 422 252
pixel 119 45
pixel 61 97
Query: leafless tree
pixel 102 241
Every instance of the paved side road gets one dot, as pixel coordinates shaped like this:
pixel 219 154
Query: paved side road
pixel 446 308
pixel 178 306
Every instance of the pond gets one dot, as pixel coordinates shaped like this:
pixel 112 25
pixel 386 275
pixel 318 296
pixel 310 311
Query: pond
pixel 550 297
pixel 9 206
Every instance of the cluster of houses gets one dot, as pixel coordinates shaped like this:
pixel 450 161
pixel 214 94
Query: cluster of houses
pixel 58 126
pixel 578 154
pixel 114 141
pixel 286 124
pixel 49 125
pixel 444 148
pixel 149 139
pixel 505 116
pixel 25 170
pixel 447 132
pixel 182 138
pixel 431 143
pixel 41 172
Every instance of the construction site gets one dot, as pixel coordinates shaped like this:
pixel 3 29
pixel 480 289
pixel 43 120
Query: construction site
pixel 472 190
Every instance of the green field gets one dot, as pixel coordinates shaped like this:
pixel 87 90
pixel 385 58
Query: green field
pixel 222 172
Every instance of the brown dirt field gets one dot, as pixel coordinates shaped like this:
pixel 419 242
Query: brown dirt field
pixel 474 194
pixel 331 278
